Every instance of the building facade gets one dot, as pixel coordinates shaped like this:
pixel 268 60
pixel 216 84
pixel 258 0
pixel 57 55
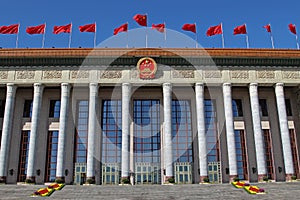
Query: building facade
pixel 149 115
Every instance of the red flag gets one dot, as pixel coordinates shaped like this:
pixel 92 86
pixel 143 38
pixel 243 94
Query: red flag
pixel 159 27
pixel 268 28
pixel 122 28
pixel 40 29
pixel 88 28
pixel 240 30
pixel 141 19
pixel 214 30
pixel 189 27
pixel 11 29
pixel 292 28
pixel 62 29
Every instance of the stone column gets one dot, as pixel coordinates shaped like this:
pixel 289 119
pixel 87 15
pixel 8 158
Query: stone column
pixel 168 155
pixel 230 131
pixel 126 95
pixel 63 121
pixel 6 129
pixel 36 108
pixel 284 131
pixel 199 88
pixel 257 130
pixel 93 103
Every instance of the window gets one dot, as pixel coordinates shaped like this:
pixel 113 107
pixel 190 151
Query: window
pixel 111 131
pixel 294 151
pixel 263 107
pixel 288 107
pixel 241 157
pixel 2 108
pixel 52 147
pixel 23 157
pixel 212 140
pixel 182 131
pixel 54 109
pixel 237 108
pixel 146 116
pixel 27 112
pixel 81 136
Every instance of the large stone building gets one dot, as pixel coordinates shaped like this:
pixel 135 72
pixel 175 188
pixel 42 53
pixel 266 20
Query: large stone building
pixel 148 115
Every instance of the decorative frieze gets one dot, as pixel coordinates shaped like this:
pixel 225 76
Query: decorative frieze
pixel 290 75
pixel 110 74
pixel 183 74
pixel 55 74
pixel 3 74
pixel 265 74
pixel 25 74
pixel 212 74
pixel 81 74
pixel 239 75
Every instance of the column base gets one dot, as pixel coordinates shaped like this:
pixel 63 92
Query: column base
pixel 204 179
pixel 2 179
pixel 232 178
pixel 60 179
pixel 169 179
pixel 125 180
pixel 90 180
pixel 262 177
pixel 30 179
pixel 288 177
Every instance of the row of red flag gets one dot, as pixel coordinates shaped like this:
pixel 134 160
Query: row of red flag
pixel 40 29
pixel 140 19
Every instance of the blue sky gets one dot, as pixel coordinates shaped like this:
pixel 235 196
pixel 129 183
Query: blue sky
pixel 113 13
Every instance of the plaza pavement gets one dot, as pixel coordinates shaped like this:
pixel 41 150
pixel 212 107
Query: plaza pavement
pixel 195 191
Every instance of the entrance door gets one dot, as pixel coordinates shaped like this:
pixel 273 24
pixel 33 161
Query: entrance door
pixel 146 115
pixel 111 174
pixel 183 173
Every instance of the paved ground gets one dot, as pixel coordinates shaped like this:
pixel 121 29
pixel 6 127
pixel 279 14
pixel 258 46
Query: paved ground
pixel 195 191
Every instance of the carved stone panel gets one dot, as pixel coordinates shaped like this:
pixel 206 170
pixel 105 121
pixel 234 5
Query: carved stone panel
pixel 291 75
pixel 265 74
pixel 3 74
pixel 239 75
pixel 110 74
pixel 25 74
pixel 183 74
pixel 212 74
pixel 55 74
pixel 82 74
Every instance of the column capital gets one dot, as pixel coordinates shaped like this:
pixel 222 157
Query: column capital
pixel 253 84
pixel 226 84
pixel 279 84
pixel 65 89
pixel 126 84
pixel 199 84
pixel 11 88
pixel 38 87
pixel 167 84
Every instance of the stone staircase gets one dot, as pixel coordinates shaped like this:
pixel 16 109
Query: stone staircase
pixel 194 191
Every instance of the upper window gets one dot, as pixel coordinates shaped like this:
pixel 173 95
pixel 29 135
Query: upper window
pixel 263 107
pixel 54 108
pixel 27 112
pixel 2 108
pixel 288 107
pixel 237 108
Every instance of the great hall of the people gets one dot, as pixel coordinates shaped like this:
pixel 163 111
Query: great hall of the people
pixel 149 115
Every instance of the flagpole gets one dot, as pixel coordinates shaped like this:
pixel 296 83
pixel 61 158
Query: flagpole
pixel 247 38
pixel 196 38
pixel 127 37
pixel 70 37
pixel 165 34
pixel 272 40
pixel 95 35
pixel 43 40
pixel 146 31
pixel 297 41
pixel 223 42
pixel 17 39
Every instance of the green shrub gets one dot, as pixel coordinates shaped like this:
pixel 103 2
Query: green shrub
pixel 59 180
pixel 236 179
pixel 125 181
pixel 206 180
pixel 29 181
pixel 294 177
pixel 171 180
pixel 90 181
pixel 265 178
